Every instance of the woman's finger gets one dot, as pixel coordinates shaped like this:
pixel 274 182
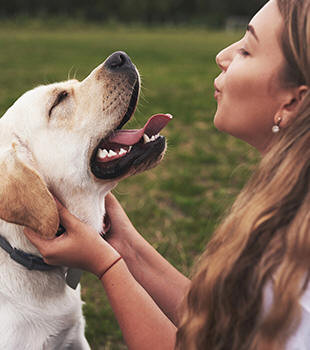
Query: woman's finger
pixel 113 206
pixel 67 219
pixel 34 238
pixel 110 201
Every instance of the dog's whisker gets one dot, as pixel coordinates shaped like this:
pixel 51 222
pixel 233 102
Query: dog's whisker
pixel 144 98
pixel 69 73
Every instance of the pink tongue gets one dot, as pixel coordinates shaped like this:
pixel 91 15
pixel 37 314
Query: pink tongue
pixel 152 127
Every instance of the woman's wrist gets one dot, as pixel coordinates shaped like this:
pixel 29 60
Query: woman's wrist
pixel 125 242
pixel 109 267
pixel 102 258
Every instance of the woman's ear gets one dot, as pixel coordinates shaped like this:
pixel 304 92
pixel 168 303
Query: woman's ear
pixel 24 197
pixel 289 109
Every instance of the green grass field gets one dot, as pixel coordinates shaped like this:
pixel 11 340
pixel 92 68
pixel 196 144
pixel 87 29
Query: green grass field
pixel 177 205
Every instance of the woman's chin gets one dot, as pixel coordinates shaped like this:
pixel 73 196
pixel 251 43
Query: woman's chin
pixel 219 123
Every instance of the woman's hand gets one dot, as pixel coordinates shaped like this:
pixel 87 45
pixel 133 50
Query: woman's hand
pixel 122 233
pixel 162 281
pixel 80 246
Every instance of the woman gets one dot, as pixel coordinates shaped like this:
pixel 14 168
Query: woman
pixel 251 287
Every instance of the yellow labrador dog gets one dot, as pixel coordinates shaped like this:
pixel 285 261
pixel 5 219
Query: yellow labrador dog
pixel 66 139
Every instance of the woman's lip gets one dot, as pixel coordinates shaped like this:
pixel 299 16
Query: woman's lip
pixel 216 92
pixel 215 87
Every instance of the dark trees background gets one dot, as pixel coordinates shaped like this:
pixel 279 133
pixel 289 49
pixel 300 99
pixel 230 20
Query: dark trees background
pixel 213 12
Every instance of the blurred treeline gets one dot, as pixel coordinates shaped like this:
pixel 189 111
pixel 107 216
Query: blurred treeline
pixel 210 12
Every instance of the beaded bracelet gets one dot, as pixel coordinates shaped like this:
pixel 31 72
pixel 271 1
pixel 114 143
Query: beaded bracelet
pixel 109 267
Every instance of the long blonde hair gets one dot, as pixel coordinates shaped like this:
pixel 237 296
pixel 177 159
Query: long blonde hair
pixel 266 236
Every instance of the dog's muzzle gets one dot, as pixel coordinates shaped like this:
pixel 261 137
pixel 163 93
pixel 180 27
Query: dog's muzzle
pixel 125 152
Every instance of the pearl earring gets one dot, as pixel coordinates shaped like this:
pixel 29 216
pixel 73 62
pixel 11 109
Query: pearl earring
pixel 276 127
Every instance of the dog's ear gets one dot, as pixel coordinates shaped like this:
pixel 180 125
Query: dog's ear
pixel 24 196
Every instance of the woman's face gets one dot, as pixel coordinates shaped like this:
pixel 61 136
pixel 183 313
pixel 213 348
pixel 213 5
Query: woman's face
pixel 249 91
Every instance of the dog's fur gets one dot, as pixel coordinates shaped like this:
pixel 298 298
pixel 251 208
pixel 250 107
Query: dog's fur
pixel 47 141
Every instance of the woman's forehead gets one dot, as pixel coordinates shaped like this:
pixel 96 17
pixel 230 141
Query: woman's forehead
pixel 266 27
pixel 268 22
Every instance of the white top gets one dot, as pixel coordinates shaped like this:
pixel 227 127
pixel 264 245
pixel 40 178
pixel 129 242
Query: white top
pixel 300 340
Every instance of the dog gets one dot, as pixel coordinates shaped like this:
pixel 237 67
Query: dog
pixel 67 139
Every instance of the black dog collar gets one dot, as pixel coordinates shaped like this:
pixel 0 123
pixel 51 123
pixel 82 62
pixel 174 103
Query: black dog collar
pixel 33 262
pixel 30 261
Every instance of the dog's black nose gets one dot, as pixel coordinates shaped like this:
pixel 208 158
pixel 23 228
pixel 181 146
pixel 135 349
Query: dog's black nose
pixel 118 60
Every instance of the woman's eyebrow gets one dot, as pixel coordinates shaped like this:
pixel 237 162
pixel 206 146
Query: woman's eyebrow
pixel 251 29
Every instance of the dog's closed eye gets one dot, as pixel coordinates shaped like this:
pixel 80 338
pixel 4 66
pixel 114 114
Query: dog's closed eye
pixel 60 97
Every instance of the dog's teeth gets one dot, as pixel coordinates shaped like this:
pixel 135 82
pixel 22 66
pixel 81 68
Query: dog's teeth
pixel 102 153
pixel 146 138
pixel 111 154
pixel 122 151
pixel 153 138
pixel 130 147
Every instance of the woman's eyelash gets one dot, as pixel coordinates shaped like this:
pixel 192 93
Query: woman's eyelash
pixel 60 97
pixel 243 52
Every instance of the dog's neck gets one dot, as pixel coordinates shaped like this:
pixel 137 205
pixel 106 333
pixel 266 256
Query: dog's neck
pixel 14 234
pixel 87 204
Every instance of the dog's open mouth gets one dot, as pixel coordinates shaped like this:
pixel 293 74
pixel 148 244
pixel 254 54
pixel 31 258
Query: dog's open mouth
pixel 123 150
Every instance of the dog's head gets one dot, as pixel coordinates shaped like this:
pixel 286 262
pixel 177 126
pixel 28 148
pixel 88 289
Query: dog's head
pixel 68 135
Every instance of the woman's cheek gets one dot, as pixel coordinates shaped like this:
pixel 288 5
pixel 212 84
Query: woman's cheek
pixel 230 119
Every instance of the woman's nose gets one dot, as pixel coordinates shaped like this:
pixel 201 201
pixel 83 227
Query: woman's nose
pixel 222 60
pixel 224 57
